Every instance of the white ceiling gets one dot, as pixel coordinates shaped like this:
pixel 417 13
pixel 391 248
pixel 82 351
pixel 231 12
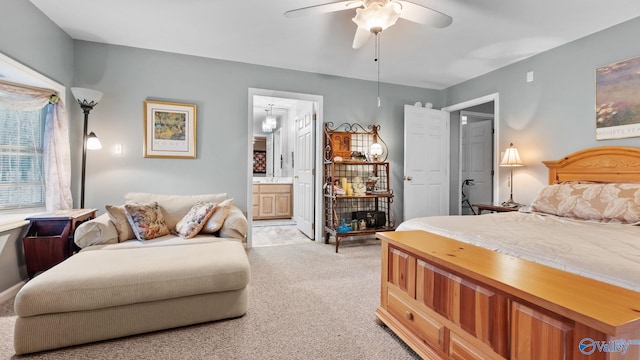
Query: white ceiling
pixel 485 34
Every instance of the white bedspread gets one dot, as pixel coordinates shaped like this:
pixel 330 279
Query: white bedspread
pixel 605 252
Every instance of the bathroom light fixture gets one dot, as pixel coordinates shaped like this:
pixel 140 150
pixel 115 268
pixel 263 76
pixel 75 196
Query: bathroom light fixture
pixel 87 99
pixel 269 123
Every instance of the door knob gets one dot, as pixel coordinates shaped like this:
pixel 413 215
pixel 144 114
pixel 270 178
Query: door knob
pixel 409 178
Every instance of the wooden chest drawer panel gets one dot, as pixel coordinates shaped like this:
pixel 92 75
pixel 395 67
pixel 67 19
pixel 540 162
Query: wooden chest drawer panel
pixel 427 329
pixel 538 336
pixel 460 349
pixel 475 309
pixel 402 270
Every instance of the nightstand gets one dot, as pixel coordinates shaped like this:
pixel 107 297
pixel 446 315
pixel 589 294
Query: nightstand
pixel 495 208
pixel 49 238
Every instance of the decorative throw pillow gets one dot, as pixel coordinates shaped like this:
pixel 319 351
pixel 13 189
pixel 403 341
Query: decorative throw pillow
pixel 174 207
pixel 601 202
pixel 118 216
pixel 235 225
pixel 219 215
pixel 146 220
pixel 190 225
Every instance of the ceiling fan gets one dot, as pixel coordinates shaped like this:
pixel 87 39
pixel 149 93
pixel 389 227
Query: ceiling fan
pixel 373 16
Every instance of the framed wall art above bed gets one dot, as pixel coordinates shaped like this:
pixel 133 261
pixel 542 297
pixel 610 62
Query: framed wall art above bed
pixel 618 100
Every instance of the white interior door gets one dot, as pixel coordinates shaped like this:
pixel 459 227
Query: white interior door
pixel 426 162
pixel 303 165
pixel 476 162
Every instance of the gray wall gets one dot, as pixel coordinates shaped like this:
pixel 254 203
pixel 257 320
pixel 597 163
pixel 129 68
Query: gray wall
pixel 128 76
pixel 554 115
pixel 29 37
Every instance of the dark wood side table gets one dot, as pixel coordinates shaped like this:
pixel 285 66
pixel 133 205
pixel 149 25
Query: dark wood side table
pixel 495 208
pixel 49 238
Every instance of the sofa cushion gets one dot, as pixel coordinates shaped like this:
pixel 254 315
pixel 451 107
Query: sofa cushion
pixel 174 207
pixel 146 220
pixel 218 217
pixel 97 231
pixel 118 216
pixel 191 224
pixel 107 278
pixel 235 225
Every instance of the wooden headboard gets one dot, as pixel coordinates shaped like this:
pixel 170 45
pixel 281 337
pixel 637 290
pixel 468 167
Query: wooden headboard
pixel 605 164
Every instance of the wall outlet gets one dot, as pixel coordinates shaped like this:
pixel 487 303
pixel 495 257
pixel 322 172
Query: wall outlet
pixel 530 76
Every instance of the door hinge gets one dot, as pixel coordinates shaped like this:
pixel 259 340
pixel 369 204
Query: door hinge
pixel 313 117
pixel 313 172
pixel 313 226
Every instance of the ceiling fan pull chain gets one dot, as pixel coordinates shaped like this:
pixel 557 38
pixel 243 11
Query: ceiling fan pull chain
pixel 377 59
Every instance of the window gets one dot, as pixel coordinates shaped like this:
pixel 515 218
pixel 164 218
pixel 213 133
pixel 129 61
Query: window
pixel 21 160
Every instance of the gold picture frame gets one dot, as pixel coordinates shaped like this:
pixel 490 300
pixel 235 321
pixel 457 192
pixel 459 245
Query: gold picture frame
pixel 169 130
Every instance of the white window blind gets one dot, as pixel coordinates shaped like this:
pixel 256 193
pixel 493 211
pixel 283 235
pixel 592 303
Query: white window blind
pixel 21 167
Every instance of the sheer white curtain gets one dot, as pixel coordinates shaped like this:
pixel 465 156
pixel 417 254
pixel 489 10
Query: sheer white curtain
pixel 56 148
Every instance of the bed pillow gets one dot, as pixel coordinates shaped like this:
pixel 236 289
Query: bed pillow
pixel 191 224
pixel 146 220
pixel 601 202
pixel 219 216
pixel 118 216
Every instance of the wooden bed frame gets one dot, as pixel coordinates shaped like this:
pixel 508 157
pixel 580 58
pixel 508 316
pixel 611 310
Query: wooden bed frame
pixel 451 300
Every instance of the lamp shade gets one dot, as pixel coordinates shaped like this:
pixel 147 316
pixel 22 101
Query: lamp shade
pixel 93 143
pixel 377 17
pixel 511 157
pixel 86 97
pixel 375 149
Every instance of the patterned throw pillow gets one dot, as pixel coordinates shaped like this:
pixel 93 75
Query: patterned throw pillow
pixel 601 202
pixel 118 216
pixel 146 220
pixel 219 215
pixel 190 225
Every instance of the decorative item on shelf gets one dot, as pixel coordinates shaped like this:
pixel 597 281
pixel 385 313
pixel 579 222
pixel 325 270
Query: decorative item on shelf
pixel 87 99
pixel 354 225
pixel 511 158
pixel 363 224
pixel 337 190
pixel 359 188
pixel 358 156
pixel 344 227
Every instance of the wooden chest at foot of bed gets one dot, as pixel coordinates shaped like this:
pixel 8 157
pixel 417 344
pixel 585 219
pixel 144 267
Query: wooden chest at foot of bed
pixel 450 300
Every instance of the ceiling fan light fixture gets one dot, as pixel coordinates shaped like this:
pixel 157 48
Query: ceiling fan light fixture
pixel 377 17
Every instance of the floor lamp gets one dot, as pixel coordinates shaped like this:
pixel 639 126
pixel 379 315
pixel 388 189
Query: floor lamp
pixel 87 99
pixel 511 158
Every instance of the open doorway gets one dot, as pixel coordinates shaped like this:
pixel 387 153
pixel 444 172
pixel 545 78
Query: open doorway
pixel 283 157
pixel 474 154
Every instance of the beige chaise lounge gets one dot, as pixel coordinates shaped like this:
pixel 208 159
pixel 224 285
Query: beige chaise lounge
pixel 118 289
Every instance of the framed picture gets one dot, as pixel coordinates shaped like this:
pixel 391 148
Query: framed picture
pixel 259 162
pixel 618 100
pixel 169 130
pixel 341 145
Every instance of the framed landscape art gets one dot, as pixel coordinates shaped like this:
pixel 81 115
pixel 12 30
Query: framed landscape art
pixel 618 100
pixel 169 130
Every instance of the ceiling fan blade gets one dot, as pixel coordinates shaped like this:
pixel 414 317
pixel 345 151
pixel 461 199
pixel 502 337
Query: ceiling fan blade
pixel 324 8
pixel 362 35
pixel 424 15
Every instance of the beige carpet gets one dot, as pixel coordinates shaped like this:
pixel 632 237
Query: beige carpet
pixel 305 302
